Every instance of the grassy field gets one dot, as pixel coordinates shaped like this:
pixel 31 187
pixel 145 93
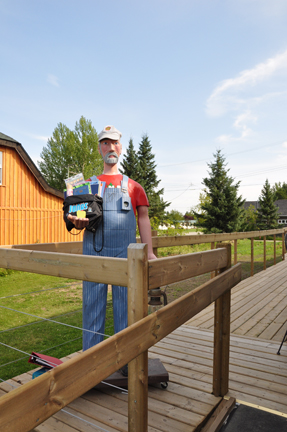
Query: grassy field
pixel 61 299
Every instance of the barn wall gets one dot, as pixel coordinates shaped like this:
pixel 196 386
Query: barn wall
pixel 28 214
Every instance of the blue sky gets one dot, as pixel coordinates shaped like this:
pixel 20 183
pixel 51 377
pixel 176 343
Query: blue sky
pixel 195 75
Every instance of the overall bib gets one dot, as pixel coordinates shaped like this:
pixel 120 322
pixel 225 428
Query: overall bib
pixel 119 230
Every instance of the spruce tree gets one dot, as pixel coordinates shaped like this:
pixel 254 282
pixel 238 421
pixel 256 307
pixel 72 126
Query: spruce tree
pixel 222 210
pixel 130 163
pixel 267 214
pixel 141 167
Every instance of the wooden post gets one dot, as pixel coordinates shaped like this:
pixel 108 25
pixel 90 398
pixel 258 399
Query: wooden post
pixel 235 251
pixel 283 246
pixel 154 234
pixel 138 309
pixel 222 337
pixel 264 253
pixel 212 246
pixel 252 256
pixel 274 247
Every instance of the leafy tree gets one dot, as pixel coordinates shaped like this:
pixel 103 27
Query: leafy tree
pixel 175 218
pixel 250 219
pixel 130 164
pixel 267 214
pixel 221 208
pixel 70 152
pixel 145 173
pixel 280 191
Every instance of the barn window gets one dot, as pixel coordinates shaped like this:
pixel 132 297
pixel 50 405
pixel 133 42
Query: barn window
pixel 0 168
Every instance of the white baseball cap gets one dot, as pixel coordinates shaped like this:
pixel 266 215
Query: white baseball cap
pixel 109 132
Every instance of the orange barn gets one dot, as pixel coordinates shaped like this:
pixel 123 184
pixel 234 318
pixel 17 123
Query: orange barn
pixel 30 209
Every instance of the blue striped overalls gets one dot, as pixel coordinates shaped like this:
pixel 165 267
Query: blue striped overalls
pixel 119 232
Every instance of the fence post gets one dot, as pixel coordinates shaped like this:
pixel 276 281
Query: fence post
pixel 264 252
pixel 252 256
pixel 222 336
pixel 212 246
pixel 283 246
pixel 154 234
pixel 235 251
pixel 138 309
pixel 274 246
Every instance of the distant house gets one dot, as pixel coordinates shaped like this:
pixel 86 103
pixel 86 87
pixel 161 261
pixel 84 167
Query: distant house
pixel 30 209
pixel 282 209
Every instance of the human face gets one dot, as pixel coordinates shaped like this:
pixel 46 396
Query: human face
pixel 110 150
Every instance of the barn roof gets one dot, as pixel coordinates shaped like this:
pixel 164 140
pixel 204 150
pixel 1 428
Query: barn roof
pixel 6 141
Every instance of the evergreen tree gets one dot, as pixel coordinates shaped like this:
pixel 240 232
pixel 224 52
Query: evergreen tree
pixel 71 152
pixel 130 163
pixel 141 167
pixel 221 210
pixel 267 214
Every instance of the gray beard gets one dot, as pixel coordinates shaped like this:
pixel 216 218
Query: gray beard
pixel 111 160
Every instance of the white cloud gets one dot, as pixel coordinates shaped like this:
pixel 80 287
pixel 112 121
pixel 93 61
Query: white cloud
pixel 284 145
pixel 225 95
pixel 52 79
pixel 241 124
pixel 39 137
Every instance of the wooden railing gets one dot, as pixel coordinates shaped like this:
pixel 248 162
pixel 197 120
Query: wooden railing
pixel 170 241
pixel 28 406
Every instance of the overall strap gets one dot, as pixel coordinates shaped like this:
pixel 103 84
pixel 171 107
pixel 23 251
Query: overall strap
pixel 124 184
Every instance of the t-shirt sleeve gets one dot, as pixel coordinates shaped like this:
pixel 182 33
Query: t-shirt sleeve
pixel 137 194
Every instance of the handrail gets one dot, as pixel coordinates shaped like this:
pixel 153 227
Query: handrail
pixel 37 400
pixel 26 407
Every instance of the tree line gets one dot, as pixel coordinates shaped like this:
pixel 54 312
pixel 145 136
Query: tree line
pixel 220 208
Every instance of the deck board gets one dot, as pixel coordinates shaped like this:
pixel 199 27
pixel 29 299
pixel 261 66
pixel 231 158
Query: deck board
pixel 258 306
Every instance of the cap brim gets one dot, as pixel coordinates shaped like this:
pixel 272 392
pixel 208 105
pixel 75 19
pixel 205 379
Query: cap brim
pixel 113 136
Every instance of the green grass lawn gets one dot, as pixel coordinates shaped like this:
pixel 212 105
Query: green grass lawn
pixel 44 296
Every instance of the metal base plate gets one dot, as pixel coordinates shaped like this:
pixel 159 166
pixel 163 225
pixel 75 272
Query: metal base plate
pixel 156 374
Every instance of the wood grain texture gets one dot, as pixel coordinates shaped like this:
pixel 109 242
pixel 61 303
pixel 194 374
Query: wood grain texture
pixel 176 268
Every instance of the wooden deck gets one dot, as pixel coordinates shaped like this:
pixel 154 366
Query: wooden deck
pixel 258 306
pixel 258 375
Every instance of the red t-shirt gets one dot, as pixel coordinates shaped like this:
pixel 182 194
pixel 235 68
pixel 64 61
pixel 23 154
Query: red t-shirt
pixel 136 191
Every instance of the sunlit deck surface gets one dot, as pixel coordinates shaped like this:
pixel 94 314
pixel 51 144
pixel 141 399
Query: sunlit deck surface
pixel 257 374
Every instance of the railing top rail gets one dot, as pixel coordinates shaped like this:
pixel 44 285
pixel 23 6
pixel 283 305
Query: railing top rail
pixel 167 241
pixel 172 269
pixel 72 266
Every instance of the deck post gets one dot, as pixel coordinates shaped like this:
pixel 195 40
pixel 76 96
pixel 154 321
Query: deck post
pixel 283 246
pixel 274 247
pixel 264 252
pixel 222 337
pixel 235 252
pixel 212 246
pixel 252 257
pixel 137 309
pixel 154 249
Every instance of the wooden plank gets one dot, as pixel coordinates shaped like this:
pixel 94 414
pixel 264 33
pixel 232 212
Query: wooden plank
pixel 221 337
pixel 173 269
pixel 138 309
pixel 264 252
pixel 216 420
pixel 75 247
pixel 252 256
pixel 89 268
pixel 41 398
pixel 208 238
